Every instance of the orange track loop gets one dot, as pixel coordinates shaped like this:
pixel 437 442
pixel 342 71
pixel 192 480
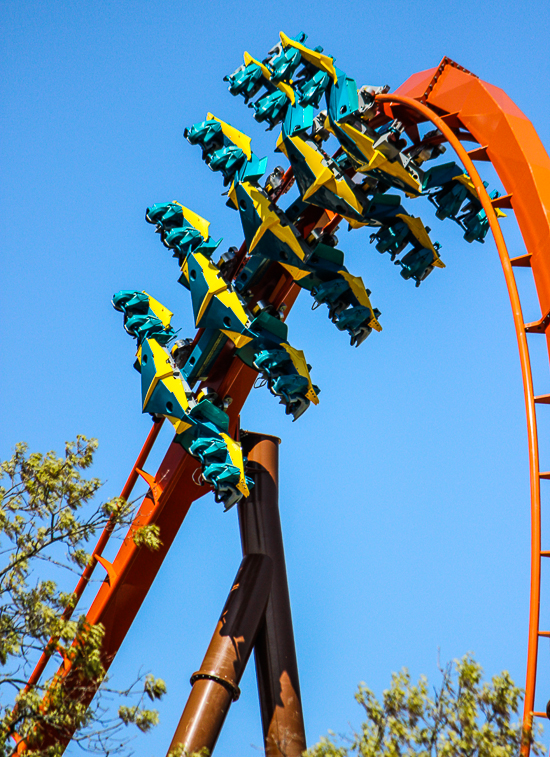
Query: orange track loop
pixel 508 139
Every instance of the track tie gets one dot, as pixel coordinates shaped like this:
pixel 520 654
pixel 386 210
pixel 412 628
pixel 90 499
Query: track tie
pixel 545 475
pixel 111 572
pixel 538 327
pixel 480 153
pixel 545 553
pixel 544 633
pixel 522 261
pixel 539 714
pixel 505 201
pixel 543 399
pixel 154 487
pixel 450 116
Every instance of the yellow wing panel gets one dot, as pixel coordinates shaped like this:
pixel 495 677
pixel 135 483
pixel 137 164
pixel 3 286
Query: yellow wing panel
pixel 270 221
pixel 163 369
pixel 162 313
pixel 417 228
pixel 287 90
pixel 248 59
pixel 363 142
pixel 236 455
pixel 239 340
pixel 468 183
pixel 217 287
pixel 211 274
pixel 266 225
pixel 323 62
pixel 279 146
pixel 299 362
pixel 175 386
pixel 285 234
pixel 358 288
pixel 296 273
pixel 236 136
pixel 394 169
pixel 179 425
pixel 231 301
pixel 199 223
pixel 324 176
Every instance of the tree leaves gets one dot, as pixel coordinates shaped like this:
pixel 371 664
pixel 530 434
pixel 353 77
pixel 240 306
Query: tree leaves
pixel 147 536
pixel 465 717
pixel 47 517
pixel 155 688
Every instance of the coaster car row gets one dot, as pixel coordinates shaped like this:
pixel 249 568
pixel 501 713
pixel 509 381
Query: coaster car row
pixel 231 298
pixel 201 426
pixel 380 158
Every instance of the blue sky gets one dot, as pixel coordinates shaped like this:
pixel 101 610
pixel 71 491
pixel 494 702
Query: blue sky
pixel 404 494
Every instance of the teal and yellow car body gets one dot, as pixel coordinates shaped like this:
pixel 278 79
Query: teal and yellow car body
pixel 457 199
pixel 272 238
pixel 200 427
pixel 359 145
pixel 222 315
pixel 422 256
pixel 319 179
pixel 215 304
pixel 380 155
pixel 226 149
pixel 267 233
pixel 231 299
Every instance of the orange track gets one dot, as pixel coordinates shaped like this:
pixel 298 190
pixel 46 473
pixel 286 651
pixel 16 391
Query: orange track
pixel 461 106
pixel 454 99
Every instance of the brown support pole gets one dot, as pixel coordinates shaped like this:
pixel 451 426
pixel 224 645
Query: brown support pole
pixel 274 651
pixel 216 684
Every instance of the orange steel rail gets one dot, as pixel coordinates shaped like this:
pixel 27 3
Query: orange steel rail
pixel 98 551
pixel 462 107
pixel 451 98
pixel 96 558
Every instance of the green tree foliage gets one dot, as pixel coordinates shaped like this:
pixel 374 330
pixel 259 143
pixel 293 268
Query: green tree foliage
pixel 180 751
pixel 47 518
pixel 465 717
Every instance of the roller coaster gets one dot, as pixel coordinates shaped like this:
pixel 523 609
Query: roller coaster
pixel 382 145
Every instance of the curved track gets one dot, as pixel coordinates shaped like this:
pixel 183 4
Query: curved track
pixel 463 108
pixel 454 100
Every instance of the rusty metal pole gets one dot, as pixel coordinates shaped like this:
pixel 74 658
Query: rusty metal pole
pixel 216 684
pixel 274 650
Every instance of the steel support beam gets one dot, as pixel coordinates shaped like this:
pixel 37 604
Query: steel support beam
pixel 274 650
pixel 216 684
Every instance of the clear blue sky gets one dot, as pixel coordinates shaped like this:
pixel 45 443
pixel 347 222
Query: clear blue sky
pixel 404 494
